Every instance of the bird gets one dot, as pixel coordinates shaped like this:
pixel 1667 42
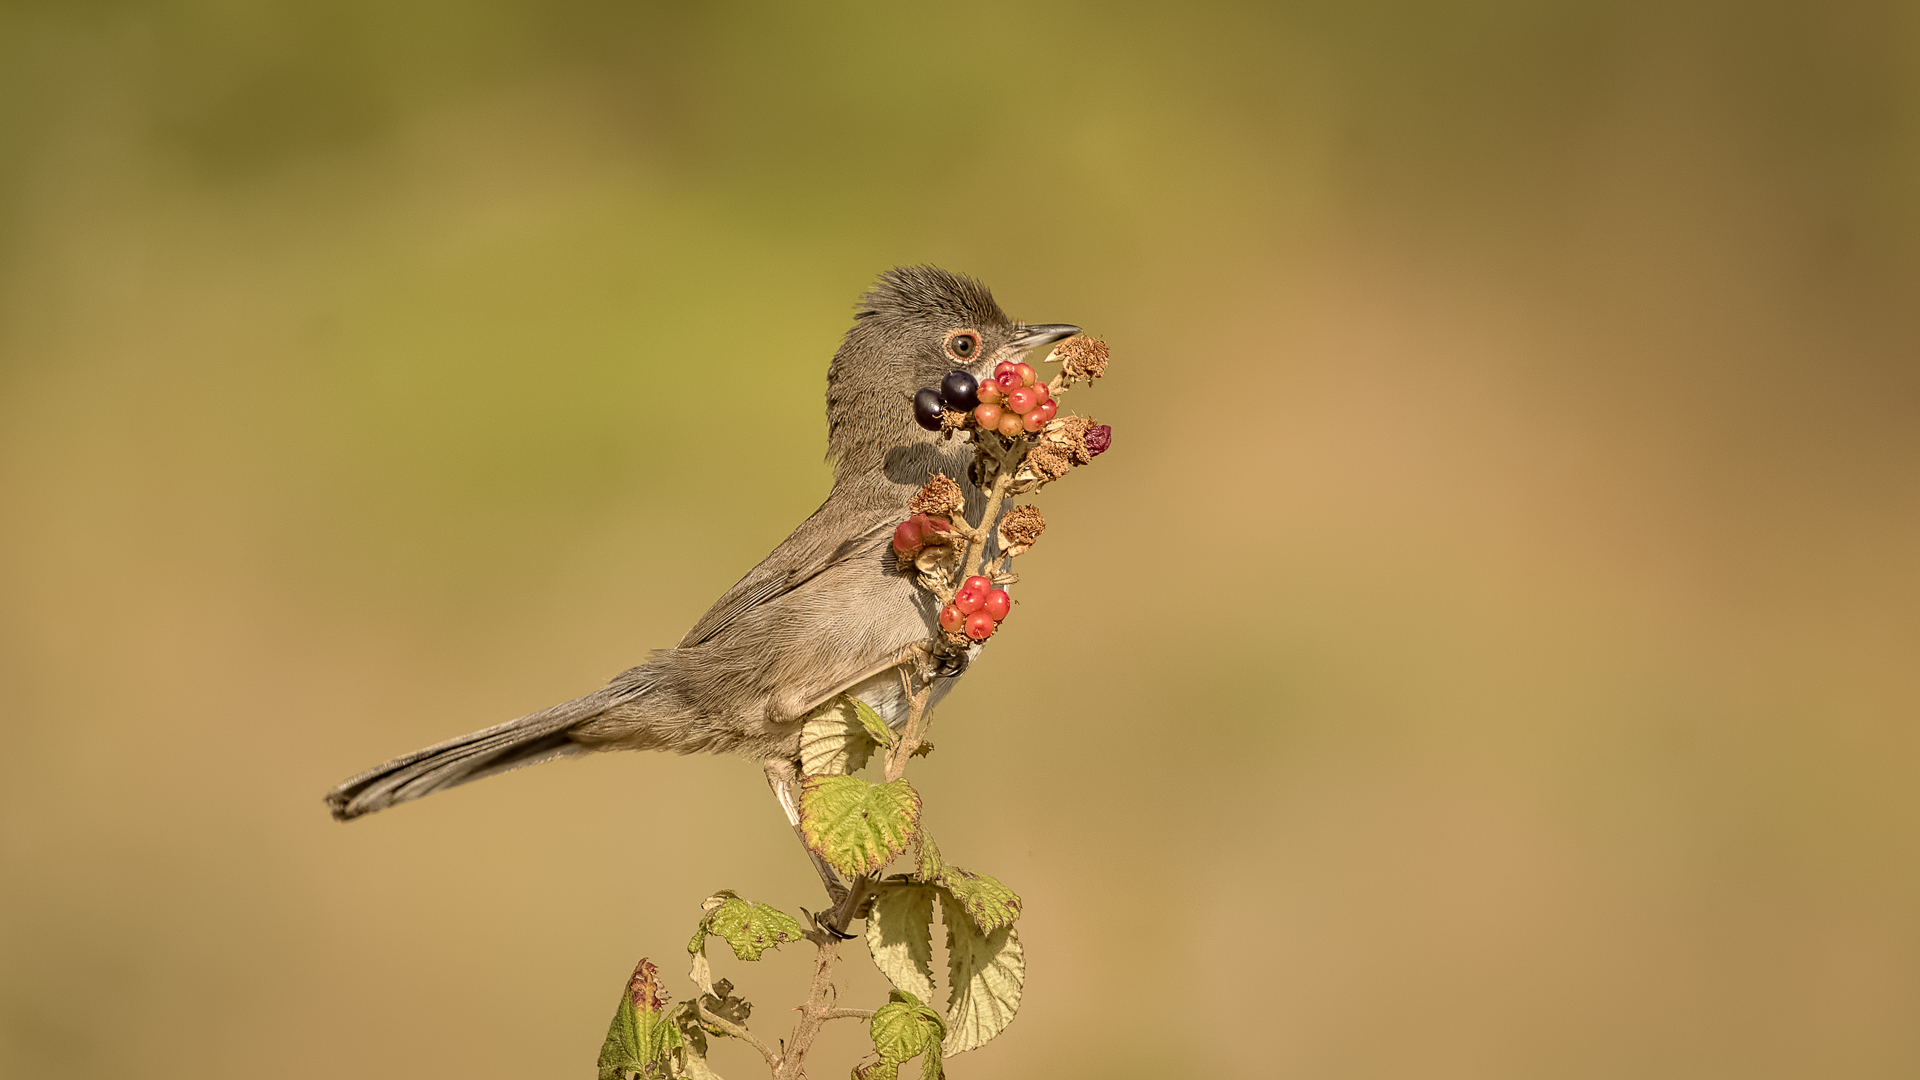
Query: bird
pixel 829 612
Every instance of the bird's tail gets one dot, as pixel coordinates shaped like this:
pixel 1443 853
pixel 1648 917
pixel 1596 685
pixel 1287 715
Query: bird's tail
pixel 489 751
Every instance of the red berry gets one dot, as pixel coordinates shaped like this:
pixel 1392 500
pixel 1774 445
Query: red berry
pixel 1009 382
pixel 1026 373
pixel 1035 420
pixel 990 392
pixel 951 618
pixel 1002 368
pixel 998 604
pixel 968 601
pixel 982 585
pixel 980 626
pixel 1045 392
pixel 1022 400
pixel 1010 425
pixel 1050 408
pixel 906 535
pixel 932 527
pixel 988 416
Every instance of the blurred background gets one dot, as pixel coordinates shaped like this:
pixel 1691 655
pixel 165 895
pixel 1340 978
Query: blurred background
pixel 1488 651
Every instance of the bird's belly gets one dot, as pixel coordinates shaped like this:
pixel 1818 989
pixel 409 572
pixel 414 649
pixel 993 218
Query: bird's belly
pixel 889 698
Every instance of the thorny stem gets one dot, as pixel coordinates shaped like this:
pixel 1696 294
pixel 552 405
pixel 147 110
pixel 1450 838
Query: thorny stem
pixel 1006 459
pixel 789 1063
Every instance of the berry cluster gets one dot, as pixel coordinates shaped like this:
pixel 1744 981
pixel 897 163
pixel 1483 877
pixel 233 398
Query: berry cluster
pixel 976 610
pixel 1013 400
pixel 918 531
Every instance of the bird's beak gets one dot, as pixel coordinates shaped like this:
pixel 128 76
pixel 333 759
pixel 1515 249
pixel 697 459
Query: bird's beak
pixel 1033 337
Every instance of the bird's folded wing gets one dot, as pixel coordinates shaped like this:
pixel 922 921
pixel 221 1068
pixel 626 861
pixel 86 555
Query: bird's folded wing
pixel 799 559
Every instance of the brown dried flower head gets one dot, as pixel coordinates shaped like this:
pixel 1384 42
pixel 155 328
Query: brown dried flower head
pixel 1082 358
pixel 953 420
pixel 1020 528
pixel 941 496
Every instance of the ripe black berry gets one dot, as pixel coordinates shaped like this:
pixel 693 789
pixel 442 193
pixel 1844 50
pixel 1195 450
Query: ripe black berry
pixel 926 408
pixel 960 391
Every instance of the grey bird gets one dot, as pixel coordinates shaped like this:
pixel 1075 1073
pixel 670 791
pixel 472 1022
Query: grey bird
pixel 826 613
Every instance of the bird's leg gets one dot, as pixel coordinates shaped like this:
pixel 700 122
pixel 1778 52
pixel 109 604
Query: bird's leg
pixel 784 777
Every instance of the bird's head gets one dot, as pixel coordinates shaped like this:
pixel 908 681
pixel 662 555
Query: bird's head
pixel 914 326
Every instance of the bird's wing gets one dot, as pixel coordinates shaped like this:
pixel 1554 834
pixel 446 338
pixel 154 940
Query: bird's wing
pixel 799 559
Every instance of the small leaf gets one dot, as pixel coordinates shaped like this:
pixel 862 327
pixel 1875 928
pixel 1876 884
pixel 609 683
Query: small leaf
pixel 870 720
pixel 904 1029
pixel 856 826
pixel 641 1041
pixel 927 865
pixel 834 740
pixel 900 937
pixel 990 904
pixel 749 927
pixel 985 972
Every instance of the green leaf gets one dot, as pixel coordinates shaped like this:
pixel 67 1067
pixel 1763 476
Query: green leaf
pixel 990 904
pixel 642 1040
pixel 900 937
pixel 834 740
pixel 749 927
pixel 985 971
pixel 858 827
pixel 870 720
pixel 927 863
pixel 904 1029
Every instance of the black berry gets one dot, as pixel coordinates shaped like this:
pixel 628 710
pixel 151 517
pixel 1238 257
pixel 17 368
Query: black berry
pixel 926 408
pixel 960 391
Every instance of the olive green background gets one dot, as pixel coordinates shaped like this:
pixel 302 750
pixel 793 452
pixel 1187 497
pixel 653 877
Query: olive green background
pixel 1489 649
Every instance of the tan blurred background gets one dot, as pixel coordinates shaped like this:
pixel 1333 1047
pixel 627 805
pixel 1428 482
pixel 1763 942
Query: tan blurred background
pixel 1488 651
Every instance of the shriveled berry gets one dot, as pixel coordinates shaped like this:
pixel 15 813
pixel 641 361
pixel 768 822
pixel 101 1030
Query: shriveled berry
pixel 980 626
pixel 1035 420
pixel 1010 425
pixel 988 416
pixel 969 601
pixel 1026 373
pixel 926 408
pixel 1022 400
pixel 906 536
pixel 951 618
pixel 959 390
pixel 998 604
pixel 1098 438
pixel 990 392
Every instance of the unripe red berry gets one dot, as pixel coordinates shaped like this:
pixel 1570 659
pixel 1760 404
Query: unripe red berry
pixel 932 527
pixel 980 626
pixel 988 416
pixel 990 392
pixel 979 584
pixel 1010 425
pixel 1026 373
pixel 1045 392
pixel 951 618
pixel 1022 400
pixel 1049 408
pixel 1035 420
pixel 906 536
pixel 1002 368
pixel 998 604
pixel 1009 382
pixel 969 602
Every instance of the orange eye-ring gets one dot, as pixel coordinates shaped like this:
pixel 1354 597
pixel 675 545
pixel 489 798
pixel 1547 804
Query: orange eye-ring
pixel 963 345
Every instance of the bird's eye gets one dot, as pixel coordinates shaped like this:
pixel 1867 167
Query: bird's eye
pixel 963 344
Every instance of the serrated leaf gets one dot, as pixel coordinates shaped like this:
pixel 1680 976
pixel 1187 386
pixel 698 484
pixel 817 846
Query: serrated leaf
pixel 900 937
pixel 903 1029
pixel 834 741
pixel 858 827
pixel 927 862
pixel 990 904
pixel 875 727
pixel 985 971
pixel 749 928
pixel 642 1040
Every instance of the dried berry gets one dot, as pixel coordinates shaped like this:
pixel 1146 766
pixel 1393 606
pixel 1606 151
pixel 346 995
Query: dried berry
pixel 1098 438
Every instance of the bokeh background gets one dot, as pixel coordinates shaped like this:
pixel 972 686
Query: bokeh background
pixel 1488 651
